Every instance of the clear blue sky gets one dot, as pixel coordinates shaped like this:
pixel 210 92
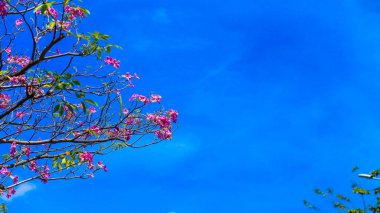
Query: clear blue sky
pixel 275 97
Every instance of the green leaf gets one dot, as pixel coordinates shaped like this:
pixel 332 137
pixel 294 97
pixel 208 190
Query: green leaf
pixel 84 107
pixel 56 108
pixel 361 191
pixel 339 206
pixel 76 82
pixel 91 102
pixel 5 156
pixel 343 197
pixel 60 111
pixel 59 166
pixel 309 205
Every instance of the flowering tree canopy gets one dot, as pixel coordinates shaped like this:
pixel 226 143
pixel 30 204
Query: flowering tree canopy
pixel 58 115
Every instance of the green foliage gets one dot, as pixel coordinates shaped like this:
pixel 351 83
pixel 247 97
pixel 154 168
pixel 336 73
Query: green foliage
pixel 361 191
pixel 3 208
pixel 344 204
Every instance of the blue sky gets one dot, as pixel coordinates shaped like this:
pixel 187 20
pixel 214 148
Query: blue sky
pixel 275 97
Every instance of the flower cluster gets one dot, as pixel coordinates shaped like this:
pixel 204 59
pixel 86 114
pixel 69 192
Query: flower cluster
pixel 164 123
pixel 140 98
pixel 33 166
pixel 129 77
pixel 13 149
pixel 3 9
pixel 111 61
pixel 15 80
pixel 44 174
pixel 18 22
pixel 22 61
pixel 4 101
pixel 74 12
pixel 117 132
pixel 52 12
pixel 155 98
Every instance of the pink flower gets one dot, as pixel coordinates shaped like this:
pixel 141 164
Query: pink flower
pixel 3 9
pixel 14 178
pixel 127 76
pixel 51 11
pixel 4 101
pixel 11 191
pixel 140 98
pixel 4 171
pixel 44 174
pixel 102 166
pixel 136 76
pixel 96 129
pixel 125 111
pixel 173 115
pixel 22 61
pixel 20 114
pixel 8 50
pixel 86 157
pixel 18 22
pixel 92 110
pixel 33 166
pixel 111 61
pixel 163 133
pixel 13 149
pixel 155 98
pixel 18 79
pixel 26 150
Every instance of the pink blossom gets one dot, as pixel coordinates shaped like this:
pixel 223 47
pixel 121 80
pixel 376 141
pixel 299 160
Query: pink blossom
pixel 111 61
pixel 96 129
pixel 4 171
pixel 20 114
pixel 127 76
pixel 11 191
pixel 8 50
pixel 92 110
pixel 52 12
pixel 74 12
pixel 22 61
pixel 13 149
pixel 140 98
pixel 86 157
pixel 151 117
pixel 90 165
pixel 19 22
pixel 44 174
pixel 26 150
pixel 3 9
pixel 155 98
pixel 136 76
pixel 102 166
pixel 173 115
pixel 4 101
pixel 14 178
pixel 64 24
pixel 33 166
pixel 125 111
pixel 163 133
pixel 21 79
